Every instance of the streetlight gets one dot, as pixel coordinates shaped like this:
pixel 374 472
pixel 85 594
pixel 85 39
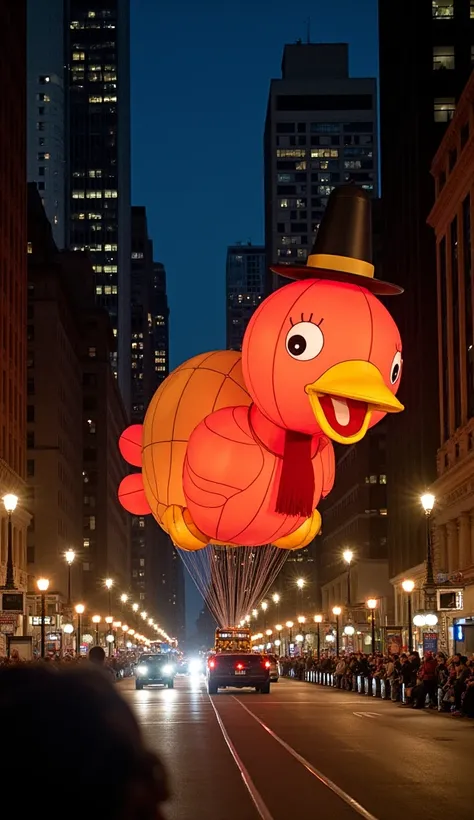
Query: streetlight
pixel 278 628
pixel 9 502
pixel 79 611
pixel 264 610
pixel 69 556
pixel 428 502
pixel 135 607
pixel 289 626
pixel 348 556
pixel 109 638
pixel 336 610
pixel 300 583
pixel 318 619
pixel 276 598
pixel 43 584
pixel 123 599
pixel 255 613
pixel 372 605
pixel 108 585
pixel 408 586
pixel 96 619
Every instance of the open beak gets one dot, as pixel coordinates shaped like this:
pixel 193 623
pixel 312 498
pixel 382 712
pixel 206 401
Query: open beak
pixel 344 398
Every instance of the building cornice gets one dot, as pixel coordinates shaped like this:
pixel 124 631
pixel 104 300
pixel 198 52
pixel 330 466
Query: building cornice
pixel 461 116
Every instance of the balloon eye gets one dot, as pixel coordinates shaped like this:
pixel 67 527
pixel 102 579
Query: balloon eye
pixel 304 341
pixel 396 367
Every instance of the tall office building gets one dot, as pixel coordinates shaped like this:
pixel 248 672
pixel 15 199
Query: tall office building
pixel 156 571
pixel 46 110
pixel 321 131
pixel 245 289
pixel 13 286
pixel 432 58
pixel 97 58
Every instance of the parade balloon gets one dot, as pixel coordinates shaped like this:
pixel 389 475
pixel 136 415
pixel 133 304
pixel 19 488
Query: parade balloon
pixel 130 444
pixel 238 449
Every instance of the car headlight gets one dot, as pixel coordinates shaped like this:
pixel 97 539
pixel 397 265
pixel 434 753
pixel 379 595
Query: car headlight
pixel 142 669
pixel 195 667
pixel 168 669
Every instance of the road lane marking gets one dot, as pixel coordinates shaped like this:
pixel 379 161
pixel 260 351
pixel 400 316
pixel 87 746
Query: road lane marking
pixel 346 798
pixel 372 715
pixel 255 795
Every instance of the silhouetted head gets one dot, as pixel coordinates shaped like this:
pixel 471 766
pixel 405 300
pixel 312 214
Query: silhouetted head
pixel 97 655
pixel 80 721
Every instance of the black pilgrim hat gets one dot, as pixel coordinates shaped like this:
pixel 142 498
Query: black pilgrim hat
pixel 342 251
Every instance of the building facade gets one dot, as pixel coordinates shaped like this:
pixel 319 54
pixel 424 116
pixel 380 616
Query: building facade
pixel 98 179
pixel 54 410
pixel 452 218
pixel 320 131
pixel 46 110
pixel 245 289
pixel 432 55
pixel 13 287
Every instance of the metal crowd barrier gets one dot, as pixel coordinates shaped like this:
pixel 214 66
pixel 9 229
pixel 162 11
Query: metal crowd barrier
pixel 363 685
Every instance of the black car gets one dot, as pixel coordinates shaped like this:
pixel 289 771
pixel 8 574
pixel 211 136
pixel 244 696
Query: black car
pixel 240 670
pixel 154 669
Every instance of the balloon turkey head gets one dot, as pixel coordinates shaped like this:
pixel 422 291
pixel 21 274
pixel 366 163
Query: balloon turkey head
pixel 322 356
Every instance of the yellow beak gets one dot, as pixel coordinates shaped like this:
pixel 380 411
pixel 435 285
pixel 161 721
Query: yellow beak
pixel 357 380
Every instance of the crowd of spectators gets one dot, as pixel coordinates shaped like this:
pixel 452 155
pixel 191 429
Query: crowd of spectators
pixel 120 665
pixel 434 681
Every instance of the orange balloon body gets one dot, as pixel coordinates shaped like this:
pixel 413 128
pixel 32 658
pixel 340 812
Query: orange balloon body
pixel 198 387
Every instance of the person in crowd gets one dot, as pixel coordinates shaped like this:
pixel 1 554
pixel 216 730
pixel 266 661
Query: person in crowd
pixel 427 685
pixel 89 731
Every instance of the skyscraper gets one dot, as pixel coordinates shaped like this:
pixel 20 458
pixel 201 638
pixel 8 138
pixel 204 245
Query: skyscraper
pixel 245 289
pixel 13 278
pixel 424 66
pixel 321 131
pixel 46 110
pixel 98 181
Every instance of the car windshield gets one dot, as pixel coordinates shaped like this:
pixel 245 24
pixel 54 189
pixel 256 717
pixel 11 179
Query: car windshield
pixel 151 658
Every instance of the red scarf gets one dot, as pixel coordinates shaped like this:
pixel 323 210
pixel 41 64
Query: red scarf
pixel 296 486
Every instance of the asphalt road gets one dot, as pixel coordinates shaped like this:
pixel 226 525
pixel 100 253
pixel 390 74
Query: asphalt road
pixel 304 748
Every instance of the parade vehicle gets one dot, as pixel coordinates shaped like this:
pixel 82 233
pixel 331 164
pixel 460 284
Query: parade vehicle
pixel 274 668
pixel 233 639
pixel 153 670
pixel 239 670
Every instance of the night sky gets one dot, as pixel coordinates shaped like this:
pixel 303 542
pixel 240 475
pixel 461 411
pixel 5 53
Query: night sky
pixel 200 77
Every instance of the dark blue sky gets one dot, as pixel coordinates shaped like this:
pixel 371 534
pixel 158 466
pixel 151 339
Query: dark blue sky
pixel 200 77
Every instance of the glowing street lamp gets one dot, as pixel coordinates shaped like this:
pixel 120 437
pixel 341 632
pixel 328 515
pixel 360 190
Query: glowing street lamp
pixel 96 619
pixel 70 556
pixel 318 619
pixel 135 607
pixel 43 585
pixel 108 585
pixel 276 598
pixel 408 586
pixel 336 611
pixel 428 502
pixel 348 556
pixel 79 611
pixel 10 500
pixel 264 606
pixel 372 605
pixel 300 583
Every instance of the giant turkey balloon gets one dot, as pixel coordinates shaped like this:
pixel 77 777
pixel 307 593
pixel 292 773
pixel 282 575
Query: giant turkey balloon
pixel 237 449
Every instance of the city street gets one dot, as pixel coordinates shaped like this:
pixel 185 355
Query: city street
pixel 241 756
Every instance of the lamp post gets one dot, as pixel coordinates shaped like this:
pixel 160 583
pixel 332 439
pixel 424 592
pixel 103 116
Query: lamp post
pixel 108 585
pixel 69 556
pixel 289 626
pixel 301 583
pixel 336 611
pixel 123 600
pixel 96 619
pixel 428 502
pixel 264 610
pixel 408 586
pixel 110 638
pixel 318 619
pixel 79 611
pixel 348 556
pixel 9 502
pixel 43 584
pixel 276 600
pixel 372 605
pixel 278 628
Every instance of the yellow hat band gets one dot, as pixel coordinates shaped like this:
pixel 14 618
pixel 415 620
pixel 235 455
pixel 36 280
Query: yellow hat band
pixel 343 264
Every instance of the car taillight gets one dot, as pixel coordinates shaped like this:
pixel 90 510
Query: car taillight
pixel 239 666
pixel 267 664
pixel 212 664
